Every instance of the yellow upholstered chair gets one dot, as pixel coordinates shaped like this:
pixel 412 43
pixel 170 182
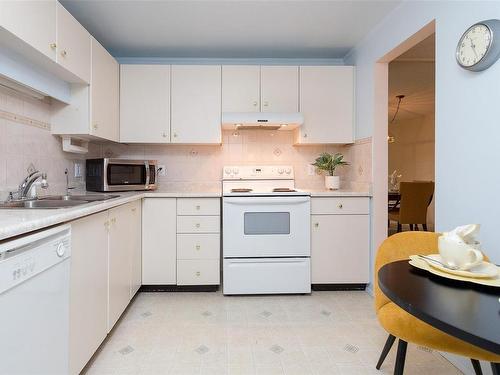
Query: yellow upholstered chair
pixel 404 326
pixel 415 198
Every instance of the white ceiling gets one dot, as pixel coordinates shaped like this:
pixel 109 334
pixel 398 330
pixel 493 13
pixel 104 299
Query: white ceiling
pixel 413 75
pixel 230 28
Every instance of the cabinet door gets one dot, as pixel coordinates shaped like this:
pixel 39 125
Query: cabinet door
pixel 327 103
pixel 136 256
pixel 280 89
pixel 73 44
pixel 88 288
pixel 196 104
pixel 120 254
pixel 104 100
pixel 340 249
pixel 159 254
pixel 240 88
pixel 33 21
pixel 145 103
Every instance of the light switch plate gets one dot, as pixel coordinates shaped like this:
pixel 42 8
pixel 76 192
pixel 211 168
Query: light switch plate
pixel 162 170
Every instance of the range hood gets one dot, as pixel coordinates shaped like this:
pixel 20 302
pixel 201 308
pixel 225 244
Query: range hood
pixel 262 120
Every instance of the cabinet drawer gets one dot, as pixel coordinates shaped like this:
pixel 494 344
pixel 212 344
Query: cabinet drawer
pixel 198 272
pixel 198 206
pixel 198 224
pixel 340 206
pixel 198 246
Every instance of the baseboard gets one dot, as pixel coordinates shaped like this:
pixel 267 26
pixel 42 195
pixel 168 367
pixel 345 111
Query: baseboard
pixel 324 287
pixel 179 288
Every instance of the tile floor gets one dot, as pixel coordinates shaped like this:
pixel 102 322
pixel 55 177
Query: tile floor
pixel 207 333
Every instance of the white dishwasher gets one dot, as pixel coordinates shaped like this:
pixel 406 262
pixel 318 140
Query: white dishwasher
pixel 34 303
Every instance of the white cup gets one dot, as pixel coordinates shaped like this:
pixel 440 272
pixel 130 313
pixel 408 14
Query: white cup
pixel 458 253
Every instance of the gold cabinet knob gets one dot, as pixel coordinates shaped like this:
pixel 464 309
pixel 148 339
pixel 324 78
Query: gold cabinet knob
pixel 198 273
pixel 266 104
pixel 316 225
pixel 198 207
pixel 106 224
pixel 175 135
pixel 305 135
pixel 340 205
pixel 164 135
pixel 113 220
pixel 64 53
pixel 53 45
pixel 95 126
pixel 198 247
pixel 134 209
pixel 197 225
pixel 255 103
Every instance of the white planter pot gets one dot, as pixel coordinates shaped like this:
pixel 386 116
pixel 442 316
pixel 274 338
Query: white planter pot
pixel 332 182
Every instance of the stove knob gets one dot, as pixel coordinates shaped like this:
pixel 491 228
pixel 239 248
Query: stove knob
pixel 280 171
pixel 288 170
pixel 236 170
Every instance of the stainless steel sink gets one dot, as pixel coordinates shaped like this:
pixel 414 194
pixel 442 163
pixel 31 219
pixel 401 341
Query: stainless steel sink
pixel 56 201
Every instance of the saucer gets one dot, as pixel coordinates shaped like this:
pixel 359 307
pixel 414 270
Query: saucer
pixel 482 270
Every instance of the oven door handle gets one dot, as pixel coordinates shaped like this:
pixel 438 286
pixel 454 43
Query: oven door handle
pixel 266 200
pixel 146 164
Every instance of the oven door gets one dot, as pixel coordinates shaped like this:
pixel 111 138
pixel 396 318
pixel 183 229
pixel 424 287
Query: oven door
pixel 126 175
pixel 274 226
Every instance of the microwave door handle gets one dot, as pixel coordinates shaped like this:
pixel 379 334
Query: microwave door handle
pixel 146 164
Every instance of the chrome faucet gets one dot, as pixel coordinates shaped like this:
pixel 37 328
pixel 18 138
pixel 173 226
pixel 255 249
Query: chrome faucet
pixel 25 186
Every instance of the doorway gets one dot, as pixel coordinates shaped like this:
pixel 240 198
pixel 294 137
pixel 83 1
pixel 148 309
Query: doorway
pixel 411 138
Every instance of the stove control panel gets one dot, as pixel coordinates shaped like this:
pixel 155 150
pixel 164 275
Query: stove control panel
pixel 258 172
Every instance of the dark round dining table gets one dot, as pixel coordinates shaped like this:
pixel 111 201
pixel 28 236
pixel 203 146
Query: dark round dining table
pixel 464 310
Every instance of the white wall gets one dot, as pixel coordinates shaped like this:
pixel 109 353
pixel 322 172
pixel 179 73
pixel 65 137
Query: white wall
pixel 467 112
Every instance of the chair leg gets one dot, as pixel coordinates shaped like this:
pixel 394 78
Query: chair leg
pixel 400 358
pixel 385 351
pixel 399 227
pixel 477 366
pixel 495 368
pixel 424 226
pixel 411 226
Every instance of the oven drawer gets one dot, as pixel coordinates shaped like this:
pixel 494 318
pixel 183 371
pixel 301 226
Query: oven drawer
pixel 340 206
pixel 267 276
pixel 198 272
pixel 198 224
pixel 198 206
pixel 198 246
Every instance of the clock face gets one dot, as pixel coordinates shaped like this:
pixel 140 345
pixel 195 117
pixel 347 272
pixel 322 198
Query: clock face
pixel 474 45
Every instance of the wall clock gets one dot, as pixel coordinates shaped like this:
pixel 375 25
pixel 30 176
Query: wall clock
pixel 479 46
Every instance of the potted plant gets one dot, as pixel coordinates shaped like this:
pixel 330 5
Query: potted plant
pixel 329 162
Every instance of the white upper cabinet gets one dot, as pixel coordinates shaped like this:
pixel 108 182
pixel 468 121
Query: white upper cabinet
pixel 196 104
pixel 33 21
pixel 73 45
pixel 279 89
pixel 240 88
pixel 327 103
pixel 104 97
pixel 145 103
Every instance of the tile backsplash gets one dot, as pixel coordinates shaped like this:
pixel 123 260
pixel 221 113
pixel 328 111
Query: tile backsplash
pixel 202 165
pixel 23 143
pixel 187 166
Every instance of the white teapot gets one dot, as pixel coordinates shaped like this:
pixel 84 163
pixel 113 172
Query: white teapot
pixel 459 247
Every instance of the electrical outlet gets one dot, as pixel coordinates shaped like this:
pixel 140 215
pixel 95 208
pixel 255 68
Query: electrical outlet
pixel 162 171
pixel 78 169
pixel 311 170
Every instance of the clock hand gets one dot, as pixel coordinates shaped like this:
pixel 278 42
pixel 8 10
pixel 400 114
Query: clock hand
pixel 473 47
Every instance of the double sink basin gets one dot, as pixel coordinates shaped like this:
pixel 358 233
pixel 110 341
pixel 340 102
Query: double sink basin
pixel 56 201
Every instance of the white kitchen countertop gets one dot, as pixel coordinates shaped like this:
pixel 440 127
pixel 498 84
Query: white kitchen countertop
pixel 15 222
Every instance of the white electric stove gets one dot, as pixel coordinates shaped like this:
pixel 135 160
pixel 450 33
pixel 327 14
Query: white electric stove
pixel 266 231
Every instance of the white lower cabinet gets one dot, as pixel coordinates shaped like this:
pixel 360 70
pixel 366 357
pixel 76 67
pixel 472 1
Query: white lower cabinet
pixel 105 252
pixel 159 254
pixel 136 240
pixel 198 272
pixel 340 240
pixel 88 310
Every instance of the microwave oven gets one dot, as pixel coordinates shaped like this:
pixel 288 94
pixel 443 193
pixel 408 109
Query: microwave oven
pixel 107 174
